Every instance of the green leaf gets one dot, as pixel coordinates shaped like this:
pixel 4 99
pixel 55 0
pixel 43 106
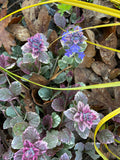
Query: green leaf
pixel 63 8
pixel 5 94
pixel 19 128
pixel 15 120
pixel 6 123
pixel 52 139
pixel 15 88
pixel 60 78
pixel 56 120
pixel 2 79
pixel 33 118
pixel 16 51
pixel 11 112
pixel 27 58
pixel 62 65
pixel 17 142
pixel 45 93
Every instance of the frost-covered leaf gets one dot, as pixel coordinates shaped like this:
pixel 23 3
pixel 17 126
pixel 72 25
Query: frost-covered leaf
pixel 15 88
pixel 27 58
pixel 84 134
pixel 71 143
pixel 2 79
pixel 33 118
pixel 59 20
pixel 60 78
pixel 80 96
pixel 10 112
pixel 31 134
pixel 58 104
pixel 105 136
pixel 17 142
pixel 56 120
pixel 44 58
pixel 64 157
pixel 5 94
pixel 19 128
pixel 62 151
pixel 79 147
pixel 69 113
pixel 6 123
pixel 45 93
pixel 15 120
pixel 51 138
pixel 64 135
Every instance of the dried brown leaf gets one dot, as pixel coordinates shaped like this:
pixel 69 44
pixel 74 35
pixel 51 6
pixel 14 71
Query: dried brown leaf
pixel 100 68
pixel 36 18
pixel 38 79
pixel 6 38
pixel 19 31
pixel 30 106
pixel 108 56
pixel 114 73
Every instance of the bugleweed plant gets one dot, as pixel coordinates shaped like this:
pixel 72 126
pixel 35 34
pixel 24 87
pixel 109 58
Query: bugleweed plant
pixel 62 122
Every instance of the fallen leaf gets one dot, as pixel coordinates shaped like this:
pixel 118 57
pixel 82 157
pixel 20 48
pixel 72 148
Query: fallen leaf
pixel 30 106
pixel 96 18
pixel 114 73
pixel 36 18
pixel 6 38
pixel 100 68
pixel 38 79
pixel 19 31
pixel 86 76
pixel 53 36
pixel 108 56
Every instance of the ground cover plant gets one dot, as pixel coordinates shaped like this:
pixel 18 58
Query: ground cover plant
pixel 39 123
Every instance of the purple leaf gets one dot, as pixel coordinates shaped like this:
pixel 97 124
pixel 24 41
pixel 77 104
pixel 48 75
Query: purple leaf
pixel 58 104
pixel 105 136
pixel 4 61
pixel 5 94
pixel 18 155
pixel 31 134
pixel 47 122
pixel 64 157
pixel 64 135
pixel 59 20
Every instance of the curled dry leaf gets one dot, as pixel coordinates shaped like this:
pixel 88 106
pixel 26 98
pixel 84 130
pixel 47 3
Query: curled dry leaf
pixel 6 38
pixel 86 76
pixel 30 106
pixel 100 68
pixel 36 18
pixel 90 50
pixel 38 79
pixel 96 18
pixel 108 56
pixel 53 36
pixel 114 73
pixel 19 31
